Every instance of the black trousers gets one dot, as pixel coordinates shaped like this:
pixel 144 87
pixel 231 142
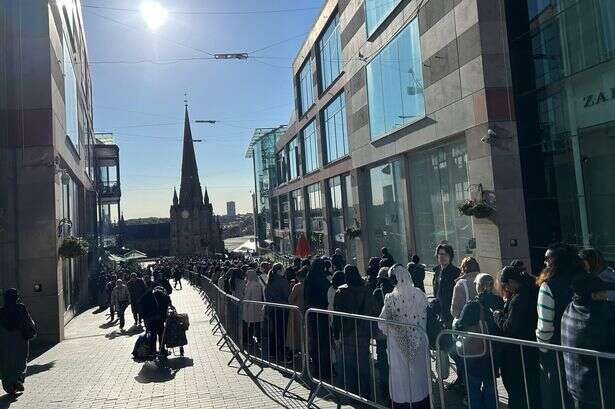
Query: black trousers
pixel 121 309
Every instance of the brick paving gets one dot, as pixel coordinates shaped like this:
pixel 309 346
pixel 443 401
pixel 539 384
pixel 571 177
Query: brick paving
pixel 93 368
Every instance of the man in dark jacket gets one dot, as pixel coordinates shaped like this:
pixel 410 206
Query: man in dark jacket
pixel 154 308
pixel 315 291
pixel 108 290
pixel 445 274
pixel 136 288
pixel 589 323
pixel 354 334
pixel 417 273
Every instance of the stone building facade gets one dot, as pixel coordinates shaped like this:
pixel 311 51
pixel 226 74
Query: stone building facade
pixel 47 188
pixel 405 109
pixel 397 108
pixel 195 230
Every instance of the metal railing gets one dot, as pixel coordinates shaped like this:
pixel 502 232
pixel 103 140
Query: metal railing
pixel 351 356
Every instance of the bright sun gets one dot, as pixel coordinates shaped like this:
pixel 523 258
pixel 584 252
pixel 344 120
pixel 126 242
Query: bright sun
pixel 154 14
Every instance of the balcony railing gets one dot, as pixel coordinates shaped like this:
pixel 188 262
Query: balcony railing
pixel 109 189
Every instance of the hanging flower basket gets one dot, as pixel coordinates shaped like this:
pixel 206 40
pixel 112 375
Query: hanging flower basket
pixel 353 232
pixel 478 210
pixel 73 247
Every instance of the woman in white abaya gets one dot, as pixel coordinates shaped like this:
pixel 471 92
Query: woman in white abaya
pixel 407 345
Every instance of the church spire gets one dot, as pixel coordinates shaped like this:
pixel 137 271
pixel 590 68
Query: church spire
pixel 190 193
pixel 175 199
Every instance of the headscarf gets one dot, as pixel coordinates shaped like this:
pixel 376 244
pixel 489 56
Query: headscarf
pixel 10 316
pixel 406 304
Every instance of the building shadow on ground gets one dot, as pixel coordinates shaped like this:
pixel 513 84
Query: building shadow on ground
pixel 107 324
pixel 152 373
pixel 128 333
pixel 38 368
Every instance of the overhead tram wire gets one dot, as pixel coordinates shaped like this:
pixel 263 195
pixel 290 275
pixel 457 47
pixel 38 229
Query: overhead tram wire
pixel 210 12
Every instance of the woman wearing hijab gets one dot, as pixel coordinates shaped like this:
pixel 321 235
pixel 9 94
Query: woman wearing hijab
pixel 408 347
pixel 16 330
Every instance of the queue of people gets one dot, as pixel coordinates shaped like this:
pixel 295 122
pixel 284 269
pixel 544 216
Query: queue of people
pixel 568 298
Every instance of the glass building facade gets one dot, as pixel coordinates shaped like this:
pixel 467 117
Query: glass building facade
pixel 318 228
pixel 334 119
pixel 395 83
pixel 330 48
pixel 376 11
pixel 70 95
pixel 306 87
pixel 387 210
pixel 310 148
pixel 565 108
pixel 439 181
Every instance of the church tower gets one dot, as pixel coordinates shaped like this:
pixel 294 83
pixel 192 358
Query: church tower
pixel 194 229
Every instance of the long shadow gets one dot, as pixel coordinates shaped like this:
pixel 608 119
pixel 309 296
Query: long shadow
pixel 6 400
pixel 152 373
pixel 128 333
pixel 107 324
pixel 38 368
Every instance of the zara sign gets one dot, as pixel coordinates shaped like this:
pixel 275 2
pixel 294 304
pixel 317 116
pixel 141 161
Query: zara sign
pixel 598 98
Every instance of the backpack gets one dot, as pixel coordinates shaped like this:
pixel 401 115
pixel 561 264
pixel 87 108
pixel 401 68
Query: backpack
pixel 473 347
pixel 143 347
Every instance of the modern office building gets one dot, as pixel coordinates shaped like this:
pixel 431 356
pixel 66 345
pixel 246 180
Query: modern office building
pixel 47 188
pixel 406 109
pixel 563 72
pixel 262 151
pixel 230 209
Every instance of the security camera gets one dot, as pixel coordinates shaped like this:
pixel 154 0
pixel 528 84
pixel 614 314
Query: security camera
pixel 490 137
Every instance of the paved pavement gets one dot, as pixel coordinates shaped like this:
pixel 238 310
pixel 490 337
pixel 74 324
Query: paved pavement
pixel 93 368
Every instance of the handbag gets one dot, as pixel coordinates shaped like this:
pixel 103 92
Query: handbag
pixel 468 346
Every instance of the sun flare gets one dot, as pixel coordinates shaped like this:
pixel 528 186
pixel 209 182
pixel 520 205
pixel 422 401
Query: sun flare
pixel 154 14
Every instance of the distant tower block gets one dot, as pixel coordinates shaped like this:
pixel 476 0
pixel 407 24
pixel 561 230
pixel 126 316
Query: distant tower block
pixel 230 209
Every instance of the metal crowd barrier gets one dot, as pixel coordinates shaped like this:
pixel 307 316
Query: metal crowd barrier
pixel 520 373
pixel 347 354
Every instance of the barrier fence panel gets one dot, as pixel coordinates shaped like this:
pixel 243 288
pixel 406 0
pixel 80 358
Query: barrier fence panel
pixel 365 358
pixel 518 374
pixel 273 335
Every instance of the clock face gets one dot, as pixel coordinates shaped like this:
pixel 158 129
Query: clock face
pixel 185 214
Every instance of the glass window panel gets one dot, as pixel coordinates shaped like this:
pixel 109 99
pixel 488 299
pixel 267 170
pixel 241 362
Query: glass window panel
pixel 70 96
pixel 377 11
pixel 395 83
pixel 306 86
pixel 298 208
pixel 386 210
pixel 284 211
pixel 439 181
pixel 330 53
pixel 335 128
pixel 310 148
pixel 317 225
pixel 294 159
pixel 337 211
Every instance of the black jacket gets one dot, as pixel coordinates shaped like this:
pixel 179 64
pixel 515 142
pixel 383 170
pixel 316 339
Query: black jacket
pixel 518 318
pixel 277 290
pixel 417 273
pixel 315 291
pixel 354 300
pixel 443 284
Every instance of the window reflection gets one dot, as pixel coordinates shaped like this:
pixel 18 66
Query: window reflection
pixel 330 53
pixel 376 11
pixel 306 86
pixel 334 117
pixel 310 148
pixel 395 83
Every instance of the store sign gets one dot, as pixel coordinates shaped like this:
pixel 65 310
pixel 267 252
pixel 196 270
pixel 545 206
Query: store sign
pixel 598 98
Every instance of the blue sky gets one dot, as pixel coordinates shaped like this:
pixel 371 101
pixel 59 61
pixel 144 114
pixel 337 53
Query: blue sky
pixel 142 103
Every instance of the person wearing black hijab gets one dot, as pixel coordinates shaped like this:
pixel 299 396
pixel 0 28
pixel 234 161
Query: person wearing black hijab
pixel 16 330
pixel 315 292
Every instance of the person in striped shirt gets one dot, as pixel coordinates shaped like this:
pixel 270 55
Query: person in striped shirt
pixel 562 264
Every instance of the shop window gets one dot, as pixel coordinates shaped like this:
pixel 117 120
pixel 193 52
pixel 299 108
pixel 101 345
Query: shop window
pixel 386 211
pixel 439 182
